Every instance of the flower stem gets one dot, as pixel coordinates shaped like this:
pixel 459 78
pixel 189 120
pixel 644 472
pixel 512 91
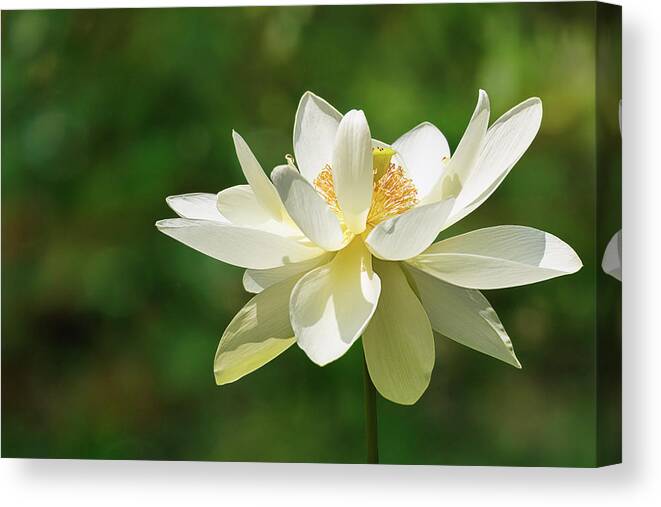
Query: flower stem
pixel 371 429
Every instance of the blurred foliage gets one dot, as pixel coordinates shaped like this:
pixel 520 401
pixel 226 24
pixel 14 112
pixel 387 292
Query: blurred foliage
pixel 109 328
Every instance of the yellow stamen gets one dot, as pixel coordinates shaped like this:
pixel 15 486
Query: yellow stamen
pixel 326 187
pixel 393 193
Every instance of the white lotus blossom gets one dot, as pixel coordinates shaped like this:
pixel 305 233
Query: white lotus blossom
pixel 339 243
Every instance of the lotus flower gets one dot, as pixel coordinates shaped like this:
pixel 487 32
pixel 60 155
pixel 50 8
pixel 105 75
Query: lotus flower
pixel 340 243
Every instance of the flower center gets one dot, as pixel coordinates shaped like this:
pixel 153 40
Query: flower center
pixel 393 193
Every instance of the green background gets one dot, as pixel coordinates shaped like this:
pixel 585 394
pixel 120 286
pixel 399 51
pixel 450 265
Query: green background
pixel 109 328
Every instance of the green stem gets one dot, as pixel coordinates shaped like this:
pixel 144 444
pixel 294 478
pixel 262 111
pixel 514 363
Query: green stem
pixel 371 429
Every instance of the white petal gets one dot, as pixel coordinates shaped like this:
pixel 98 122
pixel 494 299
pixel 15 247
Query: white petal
pixel 423 149
pixel 196 206
pixel 352 169
pixel 241 246
pixel 239 205
pixel 331 305
pixel 506 141
pixel 407 235
pixel 314 134
pixel 399 342
pixel 262 187
pixel 256 280
pixel 308 209
pixel 465 316
pixel 257 334
pixel 466 155
pixel 612 261
pixel 498 257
